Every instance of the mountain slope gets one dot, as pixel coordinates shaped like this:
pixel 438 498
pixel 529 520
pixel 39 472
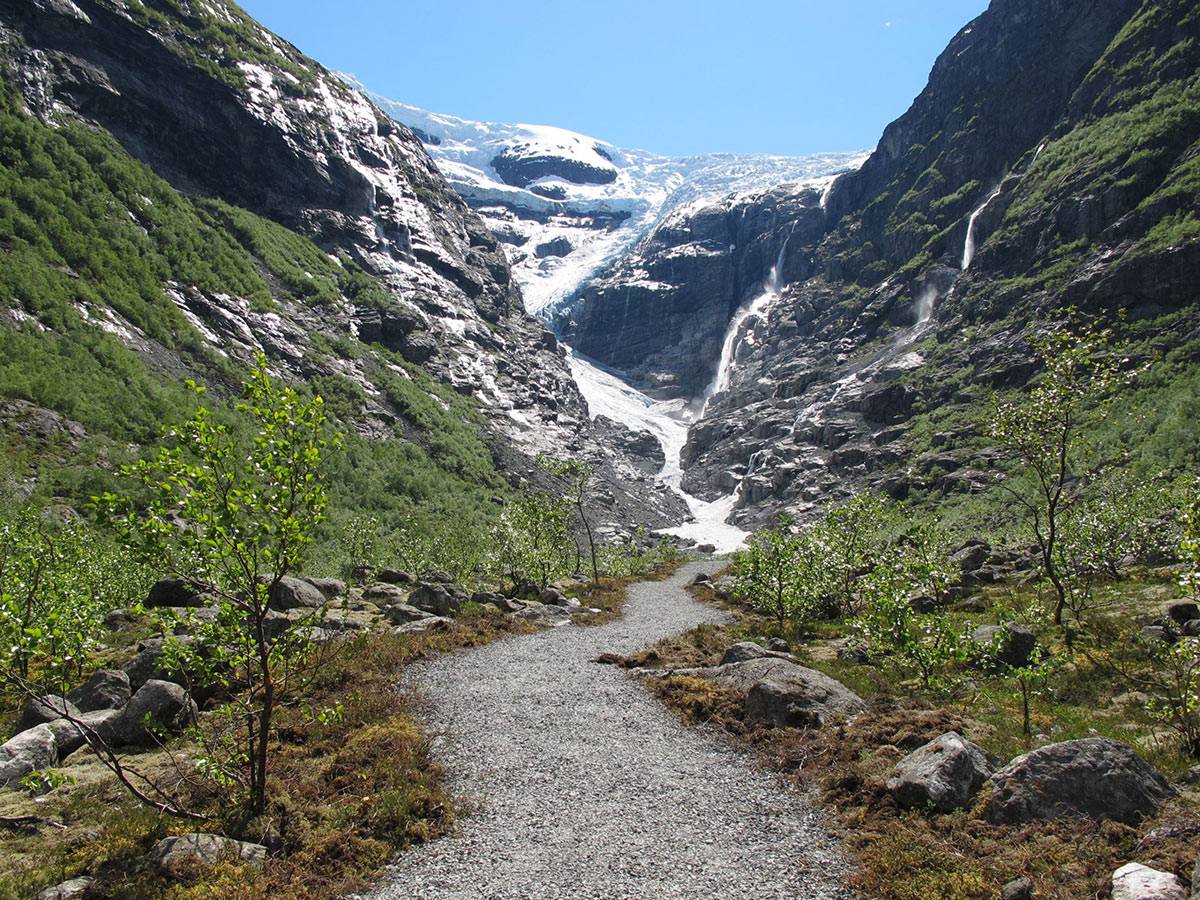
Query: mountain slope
pixel 187 190
pixel 1050 162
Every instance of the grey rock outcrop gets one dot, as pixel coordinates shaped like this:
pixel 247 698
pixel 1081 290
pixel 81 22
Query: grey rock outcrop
pixel 157 707
pixel 72 889
pixel 782 693
pixel 104 689
pixel 291 592
pixel 943 775
pixel 177 856
pixel 1134 881
pixel 32 750
pixel 1094 778
pixel 46 708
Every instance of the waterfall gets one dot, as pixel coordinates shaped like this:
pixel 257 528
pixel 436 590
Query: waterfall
pixel 771 288
pixel 969 245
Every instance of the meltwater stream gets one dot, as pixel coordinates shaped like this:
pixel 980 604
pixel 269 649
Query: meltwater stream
pixel 668 420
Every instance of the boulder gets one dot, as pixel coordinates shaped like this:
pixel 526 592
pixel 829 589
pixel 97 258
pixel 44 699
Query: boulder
pixel 330 588
pixel 778 645
pixel 1017 889
pixel 1096 778
pixel 70 736
pixel 157 706
pixel 552 596
pixel 383 594
pixel 105 689
pixel 971 556
pixel 429 623
pixel 1155 634
pixel 502 603
pixel 401 613
pixel 436 599
pixel 780 692
pixel 173 592
pixel 30 751
pixel 177 856
pixel 1134 881
pixel 73 889
pixel 742 651
pixel 1015 645
pixel 295 593
pixel 116 619
pixel 396 576
pixel 1183 611
pixel 46 708
pixel 541 614
pixel 147 663
pixel 943 775
pixel 437 577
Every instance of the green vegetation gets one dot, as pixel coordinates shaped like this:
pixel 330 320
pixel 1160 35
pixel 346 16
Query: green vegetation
pixel 233 517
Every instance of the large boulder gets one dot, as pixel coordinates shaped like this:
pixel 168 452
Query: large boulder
pixel 1182 611
pixel 781 692
pixel 382 594
pixel 1014 645
pixel 1134 881
pixel 158 706
pixel 71 734
pixel 173 592
pixel 105 689
pixel 1096 778
pixel 30 751
pixel 178 856
pixel 402 613
pixel 943 775
pixel 543 614
pixel 742 651
pixel 46 708
pixel 148 662
pixel 295 593
pixel 435 598
pixel 330 588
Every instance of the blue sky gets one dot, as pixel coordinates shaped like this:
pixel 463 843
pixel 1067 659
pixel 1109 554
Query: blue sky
pixel 673 76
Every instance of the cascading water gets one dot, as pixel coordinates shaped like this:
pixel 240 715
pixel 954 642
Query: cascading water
pixel 609 395
pixel 733 336
pixel 969 244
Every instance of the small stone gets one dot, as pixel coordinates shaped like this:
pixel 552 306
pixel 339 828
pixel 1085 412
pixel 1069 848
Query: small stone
pixel 1017 889
pixel 1134 881
pixel 73 889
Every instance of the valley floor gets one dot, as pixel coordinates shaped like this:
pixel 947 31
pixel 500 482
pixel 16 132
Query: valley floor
pixel 584 785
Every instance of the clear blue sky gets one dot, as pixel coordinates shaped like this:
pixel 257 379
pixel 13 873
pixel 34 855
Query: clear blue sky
pixel 673 76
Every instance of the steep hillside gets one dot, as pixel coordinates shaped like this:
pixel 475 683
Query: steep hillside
pixel 1050 162
pixel 184 190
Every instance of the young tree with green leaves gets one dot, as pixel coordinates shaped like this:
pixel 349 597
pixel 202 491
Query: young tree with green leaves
pixel 923 643
pixel 852 535
pixel 577 475
pixel 1042 430
pixel 533 538
pixel 232 511
pixel 57 582
pixel 767 573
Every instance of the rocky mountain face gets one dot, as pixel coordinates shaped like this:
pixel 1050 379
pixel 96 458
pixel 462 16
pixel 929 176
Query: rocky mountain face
pixel 660 313
pixel 1052 161
pixel 275 153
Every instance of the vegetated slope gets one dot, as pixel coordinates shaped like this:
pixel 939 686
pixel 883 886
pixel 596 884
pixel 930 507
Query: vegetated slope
pixel 1063 137
pixel 183 190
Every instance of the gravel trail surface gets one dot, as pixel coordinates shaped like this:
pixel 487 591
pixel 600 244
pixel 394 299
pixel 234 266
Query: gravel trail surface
pixel 583 785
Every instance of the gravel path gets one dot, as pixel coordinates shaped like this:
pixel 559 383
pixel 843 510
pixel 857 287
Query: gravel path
pixel 584 785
